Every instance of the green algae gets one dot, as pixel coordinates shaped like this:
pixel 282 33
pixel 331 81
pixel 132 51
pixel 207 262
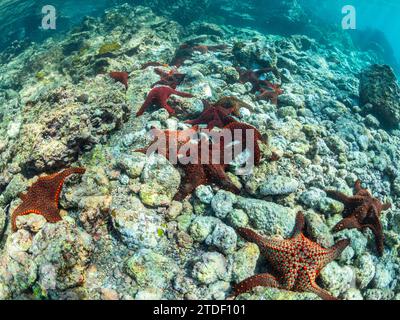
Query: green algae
pixel 109 48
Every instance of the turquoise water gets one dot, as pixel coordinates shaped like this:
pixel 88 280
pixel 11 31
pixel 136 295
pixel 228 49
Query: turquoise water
pixel 377 21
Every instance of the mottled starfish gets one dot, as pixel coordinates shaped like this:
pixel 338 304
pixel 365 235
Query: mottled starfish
pixel 43 197
pixel 159 96
pixel 361 211
pixel 296 262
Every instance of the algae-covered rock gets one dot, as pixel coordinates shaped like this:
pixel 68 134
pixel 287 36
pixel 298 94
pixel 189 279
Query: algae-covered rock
pixel 137 226
pixel 278 185
pixel 337 279
pixel 222 203
pixel 201 227
pixel 151 270
pixel 160 182
pixel 211 267
pixel 244 261
pixel 238 218
pixel 271 218
pixel 62 253
pixel 223 238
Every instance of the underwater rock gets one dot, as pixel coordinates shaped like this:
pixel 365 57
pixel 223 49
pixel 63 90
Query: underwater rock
pixel 271 218
pixel 238 218
pixel 278 185
pixel 337 279
pixel 32 222
pixel 211 268
pixel 222 203
pixel 62 253
pixel 244 262
pixel 137 226
pixel 160 182
pixel 202 226
pixel 365 271
pixel 380 89
pixel 151 270
pixel 223 238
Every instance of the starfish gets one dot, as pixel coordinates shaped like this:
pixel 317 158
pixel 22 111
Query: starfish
pixel 120 77
pixel 196 173
pixel 213 116
pixel 171 79
pixel 159 96
pixel 272 92
pixel 165 141
pixel 43 197
pixel 266 89
pixel 231 102
pixel 236 126
pixel 361 211
pixel 204 174
pixel 296 261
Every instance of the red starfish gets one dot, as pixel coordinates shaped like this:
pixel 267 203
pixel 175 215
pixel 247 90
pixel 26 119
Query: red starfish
pixel 361 211
pixel 120 77
pixel 296 261
pixel 243 127
pixel 159 96
pixel 271 93
pixel 213 116
pixel 171 79
pixel 198 173
pixel 170 140
pixel 204 174
pixel 265 88
pixel 43 197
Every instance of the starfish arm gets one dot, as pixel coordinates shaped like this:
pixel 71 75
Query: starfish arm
pixel 219 176
pixel 377 230
pixel 252 236
pixel 328 255
pixel 147 103
pixel 323 294
pixel 167 107
pixel 60 179
pixel 263 280
pixel 194 176
pixel 357 186
pixel 299 225
pixel 386 206
pixel 347 223
pixel 338 196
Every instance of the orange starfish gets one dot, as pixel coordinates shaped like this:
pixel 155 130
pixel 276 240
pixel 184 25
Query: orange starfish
pixel 159 96
pixel 43 197
pixel 361 211
pixel 296 261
